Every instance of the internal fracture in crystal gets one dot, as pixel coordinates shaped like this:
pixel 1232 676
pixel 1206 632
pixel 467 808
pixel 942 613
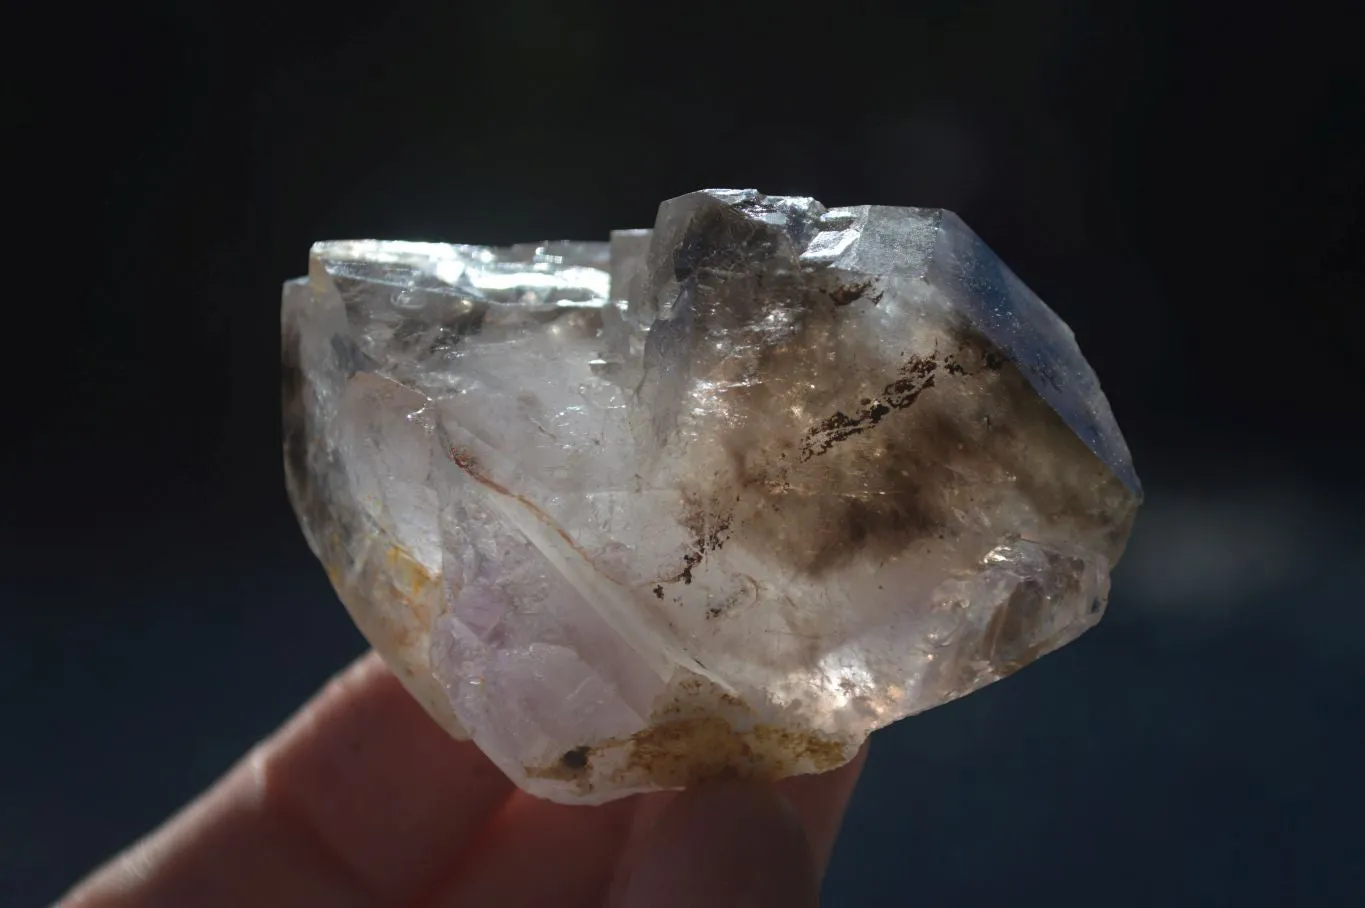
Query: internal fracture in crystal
pixel 723 496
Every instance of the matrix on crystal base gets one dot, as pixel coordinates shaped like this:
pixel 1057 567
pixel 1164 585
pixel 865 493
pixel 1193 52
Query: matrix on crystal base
pixel 724 496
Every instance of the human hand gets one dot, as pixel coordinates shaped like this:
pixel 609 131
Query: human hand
pixel 360 801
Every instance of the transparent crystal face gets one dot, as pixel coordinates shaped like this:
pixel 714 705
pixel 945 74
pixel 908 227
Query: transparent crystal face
pixel 726 495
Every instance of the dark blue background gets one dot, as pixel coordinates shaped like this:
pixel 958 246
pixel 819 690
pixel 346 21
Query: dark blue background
pixel 1183 185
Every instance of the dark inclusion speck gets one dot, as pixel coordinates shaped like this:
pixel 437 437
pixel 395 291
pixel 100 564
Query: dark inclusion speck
pixel 576 758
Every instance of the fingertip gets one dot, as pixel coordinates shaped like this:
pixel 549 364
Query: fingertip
pixel 723 844
pixel 820 801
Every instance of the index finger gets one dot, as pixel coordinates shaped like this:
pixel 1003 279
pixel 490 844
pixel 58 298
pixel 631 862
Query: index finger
pixel 360 799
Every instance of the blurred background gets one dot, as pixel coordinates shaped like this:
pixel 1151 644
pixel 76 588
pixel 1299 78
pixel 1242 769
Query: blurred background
pixel 1182 182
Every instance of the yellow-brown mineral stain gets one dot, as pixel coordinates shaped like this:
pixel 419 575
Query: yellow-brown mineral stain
pixel 681 752
pixel 697 731
pixel 414 586
pixel 407 572
pixel 393 598
pixel 686 751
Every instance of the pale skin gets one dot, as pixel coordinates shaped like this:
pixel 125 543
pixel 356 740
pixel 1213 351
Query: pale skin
pixel 360 801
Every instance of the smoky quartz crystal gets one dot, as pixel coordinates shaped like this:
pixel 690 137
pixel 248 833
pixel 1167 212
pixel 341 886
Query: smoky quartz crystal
pixel 723 496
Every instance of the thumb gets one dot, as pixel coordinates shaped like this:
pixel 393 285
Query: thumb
pixel 723 845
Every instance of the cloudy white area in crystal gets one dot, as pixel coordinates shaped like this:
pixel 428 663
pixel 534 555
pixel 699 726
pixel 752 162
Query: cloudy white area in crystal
pixel 723 496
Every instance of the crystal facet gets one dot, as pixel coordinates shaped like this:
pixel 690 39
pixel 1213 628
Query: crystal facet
pixel 723 496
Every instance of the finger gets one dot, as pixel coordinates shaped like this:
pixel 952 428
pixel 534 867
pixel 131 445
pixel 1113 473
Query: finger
pixel 820 801
pixel 383 787
pixel 360 794
pixel 719 845
pixel 537 853
pixel 226 849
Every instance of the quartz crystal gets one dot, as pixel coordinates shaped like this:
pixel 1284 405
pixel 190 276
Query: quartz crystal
pixel 720 497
